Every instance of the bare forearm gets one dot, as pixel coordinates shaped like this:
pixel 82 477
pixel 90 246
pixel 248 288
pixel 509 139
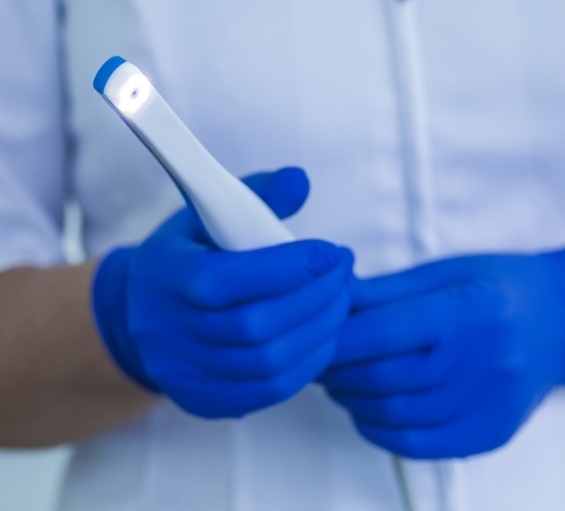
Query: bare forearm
pixel 57 383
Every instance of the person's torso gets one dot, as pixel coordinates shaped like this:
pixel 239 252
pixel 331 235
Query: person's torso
pixel 424 133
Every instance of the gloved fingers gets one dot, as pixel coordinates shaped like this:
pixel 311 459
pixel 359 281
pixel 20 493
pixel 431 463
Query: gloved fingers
pixel 420 280
pixel 275 357
pixel 220 279
pixel 462 437
pixel 214 398
pixel 413 372
pixel 186 224
pixel 259 322
pixel 401 327
pixel 400 411
pixel 421 443
pixel 284 191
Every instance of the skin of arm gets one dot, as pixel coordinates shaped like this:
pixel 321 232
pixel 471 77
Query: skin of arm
pixel 247 342
pixel 57 383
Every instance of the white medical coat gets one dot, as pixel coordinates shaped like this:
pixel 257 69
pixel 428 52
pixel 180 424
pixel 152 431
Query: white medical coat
pixel 428 128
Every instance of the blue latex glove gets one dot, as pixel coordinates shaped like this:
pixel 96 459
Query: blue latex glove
pixel 449 359
pixel 224 333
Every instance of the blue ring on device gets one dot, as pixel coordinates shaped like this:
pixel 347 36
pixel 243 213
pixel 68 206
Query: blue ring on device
pixel 104 73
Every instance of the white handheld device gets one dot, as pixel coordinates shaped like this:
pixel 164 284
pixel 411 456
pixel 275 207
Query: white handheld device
pixel 235 217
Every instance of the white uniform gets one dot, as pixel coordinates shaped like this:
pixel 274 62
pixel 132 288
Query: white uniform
pixel 427 129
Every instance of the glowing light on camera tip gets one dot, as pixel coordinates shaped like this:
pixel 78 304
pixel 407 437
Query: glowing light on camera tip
pixel 133 94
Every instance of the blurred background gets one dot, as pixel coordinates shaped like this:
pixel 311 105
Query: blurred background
pixel 30 480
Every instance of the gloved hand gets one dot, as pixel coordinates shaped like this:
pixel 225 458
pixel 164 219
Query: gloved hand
pixel 449 359
pixel 224 333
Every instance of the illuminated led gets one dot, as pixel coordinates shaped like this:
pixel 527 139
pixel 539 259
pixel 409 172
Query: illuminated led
pixel 133 94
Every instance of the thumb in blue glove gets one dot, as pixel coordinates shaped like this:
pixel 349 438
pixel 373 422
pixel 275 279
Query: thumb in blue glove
pixel 449 359
pixel 224 333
